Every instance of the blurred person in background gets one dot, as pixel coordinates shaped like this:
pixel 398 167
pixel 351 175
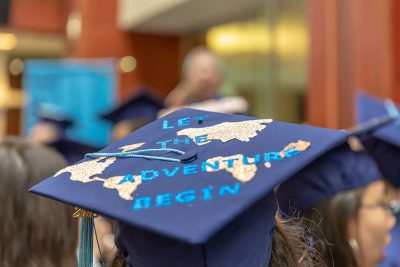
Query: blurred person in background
pixel 202 75
pixel 141 108
pixel 34 231
pixel 384 146
pixel 51 130
pixel 343 197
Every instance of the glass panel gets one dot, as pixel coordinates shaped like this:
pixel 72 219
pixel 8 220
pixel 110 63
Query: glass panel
pixel 265 58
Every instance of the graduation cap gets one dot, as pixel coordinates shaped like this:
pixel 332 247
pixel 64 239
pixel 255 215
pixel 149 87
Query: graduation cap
pixel 71 150
pixel 194 188
pixel 142 106
pixel 51 115
pixel 340 169
pixel 382 143
pixel 60 123
pixel 345 167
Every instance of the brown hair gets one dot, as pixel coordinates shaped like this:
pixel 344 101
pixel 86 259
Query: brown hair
pixel 332 216
pixel 34 231
pixel 290 247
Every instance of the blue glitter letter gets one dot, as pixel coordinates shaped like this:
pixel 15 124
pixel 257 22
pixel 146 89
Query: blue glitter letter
pixel 142 203
pixel 166 126
pixel 163 200
pixel 231 190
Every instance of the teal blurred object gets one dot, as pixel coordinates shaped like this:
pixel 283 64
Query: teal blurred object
pixel 79 89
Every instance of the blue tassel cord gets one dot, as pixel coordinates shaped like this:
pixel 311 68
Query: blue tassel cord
pixel 85 256
pixel 139 154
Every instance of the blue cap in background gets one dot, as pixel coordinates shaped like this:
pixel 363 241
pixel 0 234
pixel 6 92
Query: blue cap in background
pixel 71 150
pixel 340 169
pixel 144 105
pixel 383 143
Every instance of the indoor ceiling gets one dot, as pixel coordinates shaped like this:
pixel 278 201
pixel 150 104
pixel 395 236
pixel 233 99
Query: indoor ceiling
pixel 182 16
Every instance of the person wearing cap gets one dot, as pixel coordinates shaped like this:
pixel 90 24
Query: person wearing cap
pixel 202 77
pixel 195 188
pixel 34 231
pixel 343 197
pixel 137 111
pixel 51 131
pixel 50 127
pixel 383 144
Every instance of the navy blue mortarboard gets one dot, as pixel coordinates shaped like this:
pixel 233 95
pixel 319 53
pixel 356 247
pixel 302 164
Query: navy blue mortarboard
pixel 61 124
pixel 194 188
pixel 340 169
pixel 73 151
pixel 347 166
pixel 382 143
pixel 49 114
pixel 144 105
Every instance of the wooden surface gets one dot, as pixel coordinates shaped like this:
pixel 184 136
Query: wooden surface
pixel 351 48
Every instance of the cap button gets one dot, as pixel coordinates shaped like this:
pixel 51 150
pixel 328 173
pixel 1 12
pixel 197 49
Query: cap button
pixel 188 157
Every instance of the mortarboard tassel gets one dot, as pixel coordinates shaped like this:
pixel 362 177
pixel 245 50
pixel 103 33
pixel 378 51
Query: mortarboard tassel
pixel 85 257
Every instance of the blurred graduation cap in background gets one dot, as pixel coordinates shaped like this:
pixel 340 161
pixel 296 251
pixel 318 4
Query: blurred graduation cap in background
pixel 340 169
pixel 72 150
pixel 51 118
pixel 383 143
pixel 60 123
pixel 137 111
pixel 347 166
pixel 194 188
pixel 51 131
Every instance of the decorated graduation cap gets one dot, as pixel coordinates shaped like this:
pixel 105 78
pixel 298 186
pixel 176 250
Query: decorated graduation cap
pixel 383 143
pixel 194 188
pixel 144 105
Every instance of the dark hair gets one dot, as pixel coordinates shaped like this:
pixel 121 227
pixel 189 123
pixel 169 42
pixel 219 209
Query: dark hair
pixel 330 220
pixel 34 231
pixel 290 247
